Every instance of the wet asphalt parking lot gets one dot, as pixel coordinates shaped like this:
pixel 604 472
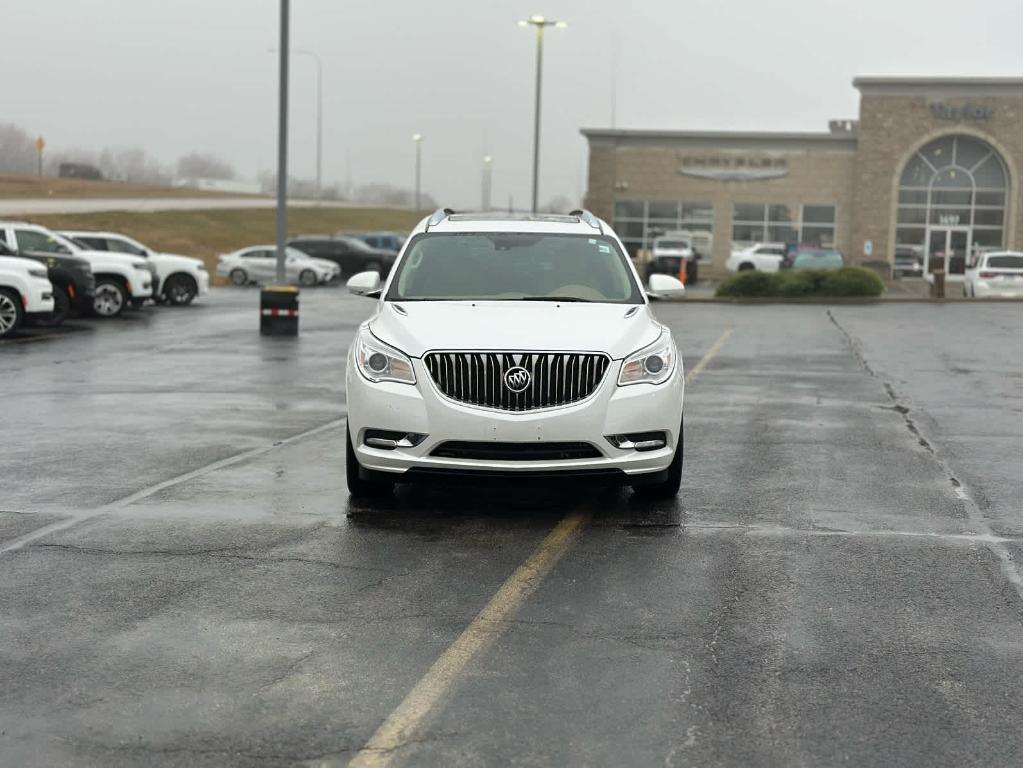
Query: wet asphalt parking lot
pixel 184 582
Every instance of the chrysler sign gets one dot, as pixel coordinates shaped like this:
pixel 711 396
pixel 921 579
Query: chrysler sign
pixel 971 112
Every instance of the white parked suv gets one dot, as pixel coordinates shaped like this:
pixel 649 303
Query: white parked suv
pixel 514 345
pixel 120 279
pixel 996 273
pixel 762 257
pixel 24 291
pixel 180 278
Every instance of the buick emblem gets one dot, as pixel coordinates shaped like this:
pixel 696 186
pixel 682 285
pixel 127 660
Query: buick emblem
pixel 517 379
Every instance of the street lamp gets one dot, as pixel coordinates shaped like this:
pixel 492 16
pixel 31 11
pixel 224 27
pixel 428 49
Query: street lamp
pixel 488 169
pixel 540 23
pixel 319 112
pixel 282 141
pixel 418 139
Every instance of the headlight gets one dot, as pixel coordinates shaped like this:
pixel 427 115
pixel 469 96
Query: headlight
pixel 37 273
pixel 379 362
pixel 651 365
pixel 201 267
pixel 141 266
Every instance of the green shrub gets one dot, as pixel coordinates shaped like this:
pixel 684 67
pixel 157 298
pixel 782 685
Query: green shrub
pixel 803 283
pixel 852 281
pixel 747 285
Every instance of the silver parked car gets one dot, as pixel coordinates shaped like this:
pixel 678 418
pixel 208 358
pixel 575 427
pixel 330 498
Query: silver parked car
pixel 258 264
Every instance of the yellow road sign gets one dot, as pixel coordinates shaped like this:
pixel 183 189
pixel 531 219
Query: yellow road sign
pixel 40 144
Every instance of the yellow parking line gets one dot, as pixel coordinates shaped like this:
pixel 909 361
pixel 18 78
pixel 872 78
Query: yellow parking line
pixel 714 349
pixel 402 724
pixel 488 625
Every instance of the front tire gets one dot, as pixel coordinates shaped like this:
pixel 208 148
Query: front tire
pixel 12 314
pixel 746 267
pixel 669 487
pixel 180 290
pixel 307 278
pixel 61 308
pixel 239 277
pixel 110 298
pixel 357 486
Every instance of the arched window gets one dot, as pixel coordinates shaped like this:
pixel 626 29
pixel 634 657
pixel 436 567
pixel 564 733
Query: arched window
pixel 953 183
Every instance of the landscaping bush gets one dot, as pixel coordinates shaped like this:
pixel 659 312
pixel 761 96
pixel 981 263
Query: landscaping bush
pixel 803 284
pixel 852 281
pixel 747 285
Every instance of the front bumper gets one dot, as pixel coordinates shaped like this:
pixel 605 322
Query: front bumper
pixel 421 409
pixel 203 281
pixel 39 298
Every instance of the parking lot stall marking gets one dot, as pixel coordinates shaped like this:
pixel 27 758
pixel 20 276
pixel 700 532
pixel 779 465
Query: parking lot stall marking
pixel 113 506
pixel 401 726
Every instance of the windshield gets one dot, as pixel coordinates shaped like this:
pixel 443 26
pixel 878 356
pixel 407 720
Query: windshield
pixel 503 266
pixel 356 244
pixel 818 260
pixel 1005 262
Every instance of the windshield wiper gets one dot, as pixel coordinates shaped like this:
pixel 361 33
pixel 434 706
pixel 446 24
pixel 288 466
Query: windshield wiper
pixel 554 298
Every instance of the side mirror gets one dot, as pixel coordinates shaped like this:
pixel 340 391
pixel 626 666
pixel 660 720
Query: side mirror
pixel 665 287
pixel 365 284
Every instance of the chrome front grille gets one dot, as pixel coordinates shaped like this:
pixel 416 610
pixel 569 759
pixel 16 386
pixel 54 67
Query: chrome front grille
pixel 555 378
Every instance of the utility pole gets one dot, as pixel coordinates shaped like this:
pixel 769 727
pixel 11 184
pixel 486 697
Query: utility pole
pixel 418 139
pixel 282 145
pixel 319 113
pixel 540 23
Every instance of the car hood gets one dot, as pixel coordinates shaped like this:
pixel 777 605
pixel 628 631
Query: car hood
pixel 177 259
pixel 109 259
pixel 515 326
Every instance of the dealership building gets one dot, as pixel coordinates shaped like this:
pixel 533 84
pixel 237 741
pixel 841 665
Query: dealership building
pixel 930 165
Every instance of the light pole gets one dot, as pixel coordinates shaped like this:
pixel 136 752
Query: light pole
pixel 488 169
pixel 418 139
pixel 319 112
pixel 540 23
pixel 282 144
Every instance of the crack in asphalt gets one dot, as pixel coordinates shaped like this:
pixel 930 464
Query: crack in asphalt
pixel 994 543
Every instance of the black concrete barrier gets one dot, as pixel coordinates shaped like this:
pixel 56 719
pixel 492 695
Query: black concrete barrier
pixel 278 311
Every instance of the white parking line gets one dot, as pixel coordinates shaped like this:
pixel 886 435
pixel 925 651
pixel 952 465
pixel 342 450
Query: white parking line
pixel 113 506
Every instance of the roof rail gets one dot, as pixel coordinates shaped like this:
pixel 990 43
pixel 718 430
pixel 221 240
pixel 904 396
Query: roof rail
pixel 437 217
pixel 587 218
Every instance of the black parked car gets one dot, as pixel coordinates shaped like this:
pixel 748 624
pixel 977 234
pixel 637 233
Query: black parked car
pixel 71 277
pixel 908 261
pixel 349 253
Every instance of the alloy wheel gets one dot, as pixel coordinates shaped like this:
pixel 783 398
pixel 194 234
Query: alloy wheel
pixel 180 290
pixel 8 314
pixel 108 301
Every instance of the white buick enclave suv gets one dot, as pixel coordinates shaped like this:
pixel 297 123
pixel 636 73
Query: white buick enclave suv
pixel 510 345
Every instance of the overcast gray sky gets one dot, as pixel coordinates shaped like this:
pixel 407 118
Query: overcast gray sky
pixel 172 76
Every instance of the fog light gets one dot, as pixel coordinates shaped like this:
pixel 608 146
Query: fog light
pixel 389 439
pixel 638 441
pixel 377 362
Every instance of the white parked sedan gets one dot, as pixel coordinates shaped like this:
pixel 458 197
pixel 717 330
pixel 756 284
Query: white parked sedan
pixel 516 345
pixel 762 257
pixel 258 264
pixel 999 273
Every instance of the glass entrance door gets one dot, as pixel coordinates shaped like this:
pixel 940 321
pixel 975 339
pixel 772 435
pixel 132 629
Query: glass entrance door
pixel 947 249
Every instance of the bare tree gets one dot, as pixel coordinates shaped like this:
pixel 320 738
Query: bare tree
pixel 17 150
pixel 196 165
